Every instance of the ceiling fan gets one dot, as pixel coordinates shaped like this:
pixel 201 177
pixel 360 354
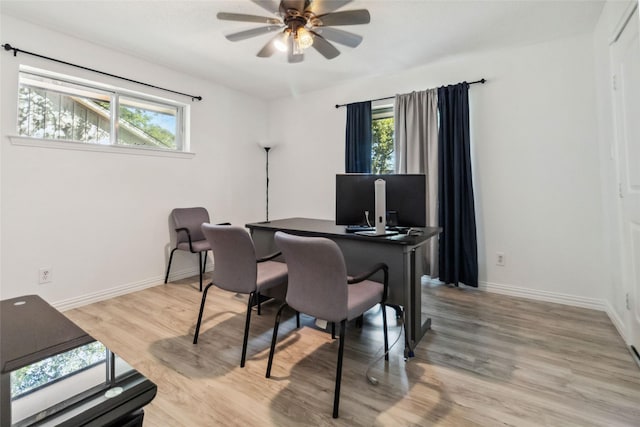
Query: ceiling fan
pixel 301 24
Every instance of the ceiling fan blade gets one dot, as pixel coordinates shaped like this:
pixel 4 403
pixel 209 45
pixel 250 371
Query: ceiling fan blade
pixel 321 7
pixel 268 49
pixel 325 48
pixel 348 17
pixel 243 35
pixel 298 5
pixel 339 36
pixel 268 5
pixel 225 16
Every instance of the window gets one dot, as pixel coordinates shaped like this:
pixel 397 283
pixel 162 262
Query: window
pixel 63 109
pixel 382 126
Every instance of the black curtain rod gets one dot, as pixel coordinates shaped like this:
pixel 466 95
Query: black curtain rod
pixel 483 81
pixel 15 50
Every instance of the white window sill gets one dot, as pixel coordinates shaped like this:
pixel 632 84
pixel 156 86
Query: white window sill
pixel 85 146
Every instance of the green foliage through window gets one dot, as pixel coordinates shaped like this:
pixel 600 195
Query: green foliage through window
pixel 47 114
pixel 143 120
pixel 382 153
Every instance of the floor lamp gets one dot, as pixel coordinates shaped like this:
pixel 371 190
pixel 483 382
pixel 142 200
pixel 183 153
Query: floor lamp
pixel 267 146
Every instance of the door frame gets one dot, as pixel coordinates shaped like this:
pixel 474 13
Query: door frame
pixel 625 263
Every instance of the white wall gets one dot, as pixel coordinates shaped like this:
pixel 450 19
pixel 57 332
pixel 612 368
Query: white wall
pixel 100 220
pixel 536 171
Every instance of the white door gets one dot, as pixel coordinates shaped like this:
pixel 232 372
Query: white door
pixel 626 67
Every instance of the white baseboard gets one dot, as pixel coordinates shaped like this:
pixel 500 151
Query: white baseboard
pixel 71 303
pixel 572 300
pixel 617 322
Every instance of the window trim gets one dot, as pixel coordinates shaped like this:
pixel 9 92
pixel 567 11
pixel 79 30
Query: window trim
pixel 382 112
pixel 28 141
pixel 182 117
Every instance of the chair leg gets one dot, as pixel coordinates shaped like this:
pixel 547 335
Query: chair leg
pixel 333 330
pixel 200 268
pixel 336 396
pixel 384 325
pixel 166 277
pixel 246 330
pixel 204 298
pixel 204 264
pixel 297 319
pixel 259 310
pixel 359 321
pixel 273 339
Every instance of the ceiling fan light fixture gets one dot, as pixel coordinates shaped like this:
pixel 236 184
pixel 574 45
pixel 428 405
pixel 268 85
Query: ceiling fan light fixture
pixel 303 24
pixel 296 48
pixel 305 39
pixel 280 43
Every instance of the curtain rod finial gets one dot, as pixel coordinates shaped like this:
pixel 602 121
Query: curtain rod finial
pixel 8 47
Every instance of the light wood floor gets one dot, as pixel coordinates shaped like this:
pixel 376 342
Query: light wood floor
pixel 489 360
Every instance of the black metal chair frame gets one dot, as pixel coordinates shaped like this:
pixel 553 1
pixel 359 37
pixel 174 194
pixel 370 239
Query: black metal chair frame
pixel 357 279
pixel 202 266
pixel 254 299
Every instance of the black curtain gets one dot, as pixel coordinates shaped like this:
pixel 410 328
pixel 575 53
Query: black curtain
pixel 358 138
pixel 456 211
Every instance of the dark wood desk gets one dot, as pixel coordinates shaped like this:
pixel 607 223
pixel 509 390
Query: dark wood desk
pixel 402 253
pixel 108 392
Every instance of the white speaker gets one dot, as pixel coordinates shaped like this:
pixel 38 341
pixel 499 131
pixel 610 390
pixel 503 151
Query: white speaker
pixel 381 206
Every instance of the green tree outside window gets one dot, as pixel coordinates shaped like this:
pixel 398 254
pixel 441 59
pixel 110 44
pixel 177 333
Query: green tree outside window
pixel 382 158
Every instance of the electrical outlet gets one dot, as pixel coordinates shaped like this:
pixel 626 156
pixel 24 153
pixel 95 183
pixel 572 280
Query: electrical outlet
pixel 500 259
pixel 45 275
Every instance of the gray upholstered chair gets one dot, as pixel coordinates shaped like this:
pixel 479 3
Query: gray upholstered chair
pixel 319 286
pixel 189 236
pixel 237 270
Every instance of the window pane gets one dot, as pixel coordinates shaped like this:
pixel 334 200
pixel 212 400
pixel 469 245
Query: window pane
pixel 147 123
pixel 48 114
pixel 55 110
pixel 382 153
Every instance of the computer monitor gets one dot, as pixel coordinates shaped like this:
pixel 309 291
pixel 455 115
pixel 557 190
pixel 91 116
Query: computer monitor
pixel 405 199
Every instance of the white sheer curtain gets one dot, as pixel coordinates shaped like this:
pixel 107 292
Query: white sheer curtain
pixel 416 151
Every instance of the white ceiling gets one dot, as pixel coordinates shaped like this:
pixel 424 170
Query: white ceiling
pixel 187 36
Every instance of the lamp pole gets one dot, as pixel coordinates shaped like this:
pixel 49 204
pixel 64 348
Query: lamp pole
pixel 266 149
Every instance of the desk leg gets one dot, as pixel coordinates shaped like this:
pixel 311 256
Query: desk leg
pixel 414 328
pixel 420 328
pixel 410 313
pixel 401 314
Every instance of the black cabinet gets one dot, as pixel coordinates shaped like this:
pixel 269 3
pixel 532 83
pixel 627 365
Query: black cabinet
pixel 54 373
